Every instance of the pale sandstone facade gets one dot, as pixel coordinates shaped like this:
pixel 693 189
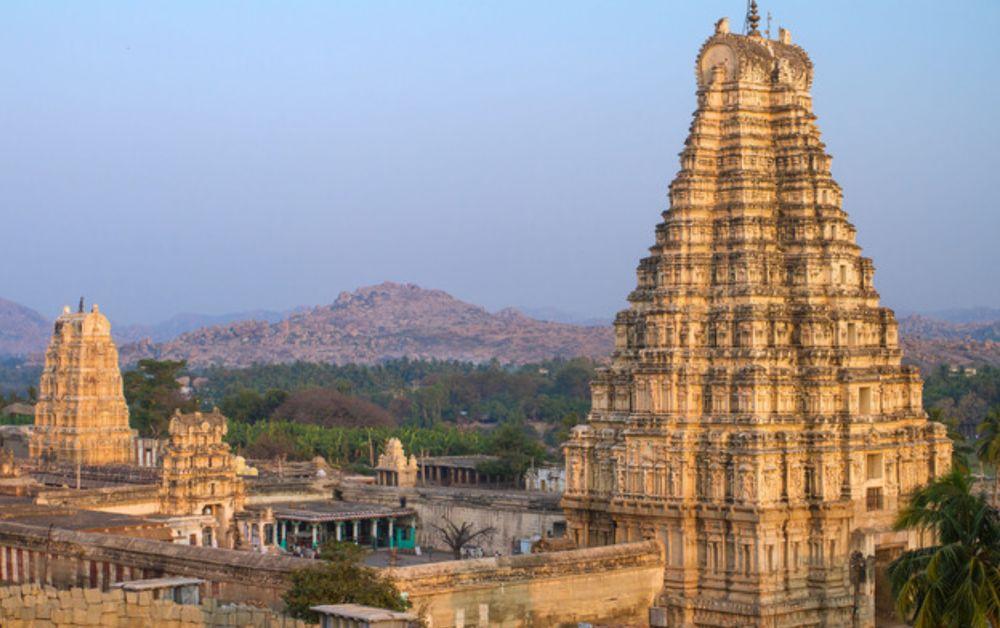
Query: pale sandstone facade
pixel 756 418
pixel 608 585
pixel 200 475
pixel 81 416
pixel 34 606
pixel 394 468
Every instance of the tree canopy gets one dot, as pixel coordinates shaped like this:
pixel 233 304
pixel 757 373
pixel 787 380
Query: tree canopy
pixel 339 577
pixel 153 394
pixel 955 582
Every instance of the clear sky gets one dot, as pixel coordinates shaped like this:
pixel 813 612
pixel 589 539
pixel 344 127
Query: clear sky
pixel 174 156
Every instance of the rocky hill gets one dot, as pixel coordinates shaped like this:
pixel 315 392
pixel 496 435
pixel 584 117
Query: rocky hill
pixel 383 322
pixel 185 322
pixel 928 342
pixel 23 331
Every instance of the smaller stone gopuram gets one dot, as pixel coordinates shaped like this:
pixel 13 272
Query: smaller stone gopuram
pixel 394 468
pixel 81 416
pixel 200 473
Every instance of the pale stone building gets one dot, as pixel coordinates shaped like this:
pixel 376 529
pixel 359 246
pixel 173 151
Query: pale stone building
pixel 81 416
pixel 755 419
pixel 200 476
pixel 394 468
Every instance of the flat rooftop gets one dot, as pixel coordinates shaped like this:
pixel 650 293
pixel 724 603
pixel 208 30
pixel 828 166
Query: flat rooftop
pixel 151 584
pixel 23 510
pixel 463 462
pixel 362 613
pixel 330 510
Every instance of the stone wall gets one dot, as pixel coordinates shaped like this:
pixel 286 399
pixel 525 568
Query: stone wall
pixel 514 514
pixel 35 606
pixel 614 584
pixel 65 559
pixel 275 490
pixel 132 499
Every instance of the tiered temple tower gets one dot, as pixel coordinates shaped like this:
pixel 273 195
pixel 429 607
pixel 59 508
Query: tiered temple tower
pixel 756 418
pixel 81 416
pixel 200 474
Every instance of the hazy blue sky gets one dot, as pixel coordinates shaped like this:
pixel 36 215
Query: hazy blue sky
pixel 216 156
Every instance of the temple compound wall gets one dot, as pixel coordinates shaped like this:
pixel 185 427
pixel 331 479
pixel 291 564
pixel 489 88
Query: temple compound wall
pixel 65 559
pixel 132 499
pixel 81 416
pixel 756 417
pixel 36 606
pixel 514 514
pixel 614 584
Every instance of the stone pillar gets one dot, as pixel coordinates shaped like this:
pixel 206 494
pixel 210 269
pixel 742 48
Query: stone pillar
pixel 357 531
pixel 339 532
pixel 374 532
pixel 391 539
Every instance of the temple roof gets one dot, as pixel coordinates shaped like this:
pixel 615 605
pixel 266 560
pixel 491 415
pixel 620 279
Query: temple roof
pixel 328 510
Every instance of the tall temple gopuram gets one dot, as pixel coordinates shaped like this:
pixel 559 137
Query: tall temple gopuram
pixel 755 419
pixel 200 474
pixel 81 416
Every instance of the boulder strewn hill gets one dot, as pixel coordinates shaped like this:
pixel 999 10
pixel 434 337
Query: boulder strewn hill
pixel 23 331
pixel 382 322
pixel 185 322
pixel 928 342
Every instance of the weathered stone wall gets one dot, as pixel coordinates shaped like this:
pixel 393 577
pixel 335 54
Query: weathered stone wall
pixel 65 559
pixel 35 606
pixel 514 514
pixel 130 499
pixel 273 491
pixel 615 583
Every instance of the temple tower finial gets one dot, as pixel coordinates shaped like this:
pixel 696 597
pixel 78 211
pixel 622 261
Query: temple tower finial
pixel 80 310
pixel 753 19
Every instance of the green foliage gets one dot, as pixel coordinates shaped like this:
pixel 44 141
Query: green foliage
pixel 962 449
pixel 517 446
pixel 153 394
pixel 988 446
pixel 415 392
pixel 342 550
pixel 351 445
pixel 17 376
pixel 340 578
pixel 249 406
pixel 16 419
pixel 957 581
pixel 555 438
pixel 963 398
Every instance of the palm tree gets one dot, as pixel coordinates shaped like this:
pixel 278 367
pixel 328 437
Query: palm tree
pixel 957 581
pixel 988 448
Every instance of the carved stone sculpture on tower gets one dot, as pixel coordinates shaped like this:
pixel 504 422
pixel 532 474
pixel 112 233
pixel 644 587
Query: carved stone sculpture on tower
pixel 81 416
pixel 756 418
pixel 200 473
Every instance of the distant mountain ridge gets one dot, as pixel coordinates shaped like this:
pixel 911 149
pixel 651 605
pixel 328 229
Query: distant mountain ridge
pixel 382 322
pixel 394 320
pixel 927 341
pixel 23 331
pixel 187 321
